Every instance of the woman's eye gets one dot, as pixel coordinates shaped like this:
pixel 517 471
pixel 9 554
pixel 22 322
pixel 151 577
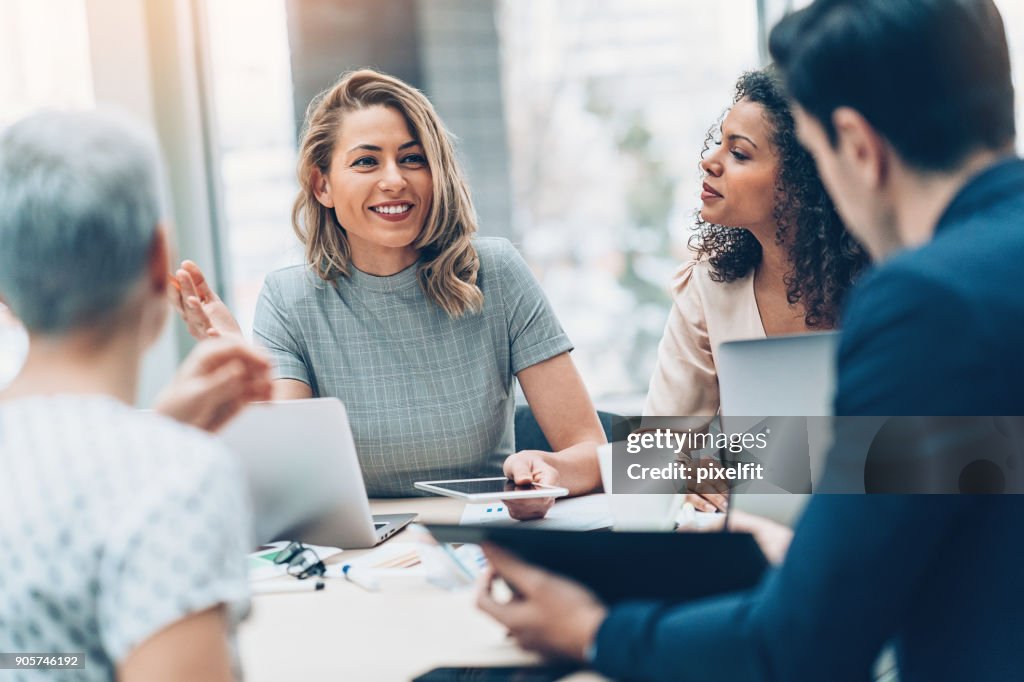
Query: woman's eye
pixel 364 161
pixel 415 159
pixel 739 155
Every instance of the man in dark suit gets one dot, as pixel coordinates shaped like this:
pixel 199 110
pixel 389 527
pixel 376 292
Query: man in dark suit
pixel 907 107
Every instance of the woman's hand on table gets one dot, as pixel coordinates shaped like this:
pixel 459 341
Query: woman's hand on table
pixel 710 495
pixel 708 502
pixel 525 468
pixel 202 310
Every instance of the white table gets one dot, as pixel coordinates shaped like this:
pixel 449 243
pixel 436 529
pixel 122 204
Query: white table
pixel 346 633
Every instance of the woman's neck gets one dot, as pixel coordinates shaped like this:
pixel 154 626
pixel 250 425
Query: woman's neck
pixel 381 261
pixel 778 315
pixel 770 273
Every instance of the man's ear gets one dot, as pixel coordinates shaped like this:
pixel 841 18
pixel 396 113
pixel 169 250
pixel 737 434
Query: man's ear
pixel 159 265
pixel 865 152
pixel 321 188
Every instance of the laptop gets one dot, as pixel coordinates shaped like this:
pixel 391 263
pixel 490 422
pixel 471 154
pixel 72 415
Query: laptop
pixel 779 376
pixel 784 385
pixel 304 475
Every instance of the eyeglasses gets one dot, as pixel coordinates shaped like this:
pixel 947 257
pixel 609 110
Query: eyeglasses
pixel 302 561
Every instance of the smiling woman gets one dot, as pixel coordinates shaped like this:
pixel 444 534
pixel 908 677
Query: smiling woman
pixel 379 186
pixel 419 327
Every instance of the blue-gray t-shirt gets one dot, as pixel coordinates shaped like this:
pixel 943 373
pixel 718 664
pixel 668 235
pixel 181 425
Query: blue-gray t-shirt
pixel 429 397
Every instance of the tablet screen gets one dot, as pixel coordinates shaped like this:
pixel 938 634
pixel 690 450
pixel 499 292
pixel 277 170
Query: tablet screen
pixel 484 486
pixel 503 674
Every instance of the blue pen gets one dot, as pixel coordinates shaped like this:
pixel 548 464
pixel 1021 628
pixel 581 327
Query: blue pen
pixel 357 577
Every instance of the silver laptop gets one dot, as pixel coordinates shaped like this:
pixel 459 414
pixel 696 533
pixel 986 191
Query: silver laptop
pixel 304 475
pixel 780 376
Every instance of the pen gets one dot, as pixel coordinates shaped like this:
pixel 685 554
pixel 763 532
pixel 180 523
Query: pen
pixel 359 578
pixel 282 588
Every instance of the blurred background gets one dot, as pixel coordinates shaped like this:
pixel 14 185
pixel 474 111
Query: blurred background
pixel 579 122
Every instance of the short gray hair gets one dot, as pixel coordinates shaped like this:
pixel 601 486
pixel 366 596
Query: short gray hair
pixel 81 194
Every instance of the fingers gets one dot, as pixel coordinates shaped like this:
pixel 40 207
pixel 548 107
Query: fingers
pixel 508 613
pixel 198 319
pixel 224 391
pixel 174 295
pixel 210 355
pixel 526 468
pixel 712 493
pixel 222 395
pixel 526 510
pixel 544 473
pixel 184 299
pixel 710 502
pixel 256 382
pixel 700 503
pixel 199 284
pixel 185 283
pixel 520 576
pixel 216 381
pixel 519 469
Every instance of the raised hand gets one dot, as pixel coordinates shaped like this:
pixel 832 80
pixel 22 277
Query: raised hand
pixel 201 309
pixel 216 380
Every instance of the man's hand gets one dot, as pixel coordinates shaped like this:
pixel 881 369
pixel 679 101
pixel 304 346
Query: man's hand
pixel 549 614
pixel 200 308
pixel 710 494
pixel 773 538
pixel 217 379
pixel 524 468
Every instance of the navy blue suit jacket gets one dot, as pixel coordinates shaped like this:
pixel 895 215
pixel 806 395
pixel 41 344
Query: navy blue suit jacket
pixel 938 330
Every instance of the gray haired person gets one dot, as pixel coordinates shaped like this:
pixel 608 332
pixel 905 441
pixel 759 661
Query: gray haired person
pixel 148 515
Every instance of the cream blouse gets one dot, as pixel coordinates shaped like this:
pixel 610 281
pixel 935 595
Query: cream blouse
pixel 704 314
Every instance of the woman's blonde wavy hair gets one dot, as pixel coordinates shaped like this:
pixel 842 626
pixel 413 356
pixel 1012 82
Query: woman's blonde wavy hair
pixel 448 262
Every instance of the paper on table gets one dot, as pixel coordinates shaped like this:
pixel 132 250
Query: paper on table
pixel 588 512
pixel 391 558
pixel 261 562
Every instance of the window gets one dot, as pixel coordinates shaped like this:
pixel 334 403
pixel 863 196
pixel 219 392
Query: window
pixel 44 62
pixel 608 105
pixel 252 94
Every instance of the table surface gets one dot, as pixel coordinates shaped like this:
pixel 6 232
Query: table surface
pixel 397 633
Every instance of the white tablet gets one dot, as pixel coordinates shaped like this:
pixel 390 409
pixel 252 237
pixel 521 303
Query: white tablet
pixel 487 489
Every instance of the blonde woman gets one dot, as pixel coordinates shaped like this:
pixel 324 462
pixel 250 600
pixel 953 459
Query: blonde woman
pixel 417 326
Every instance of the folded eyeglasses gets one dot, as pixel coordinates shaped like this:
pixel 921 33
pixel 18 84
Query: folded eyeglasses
pixel 301 560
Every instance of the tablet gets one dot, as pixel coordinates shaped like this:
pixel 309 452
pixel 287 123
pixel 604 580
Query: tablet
pixel 619 566
pixel 547 673
pixel 489 489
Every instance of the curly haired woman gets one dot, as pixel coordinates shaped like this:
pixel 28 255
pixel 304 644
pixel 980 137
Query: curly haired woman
pixel 771 256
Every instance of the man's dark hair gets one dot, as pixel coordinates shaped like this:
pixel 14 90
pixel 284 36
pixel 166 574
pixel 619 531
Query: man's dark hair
pixel 932 76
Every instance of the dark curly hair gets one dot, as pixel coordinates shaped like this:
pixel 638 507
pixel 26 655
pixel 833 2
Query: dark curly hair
pixel 823 256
